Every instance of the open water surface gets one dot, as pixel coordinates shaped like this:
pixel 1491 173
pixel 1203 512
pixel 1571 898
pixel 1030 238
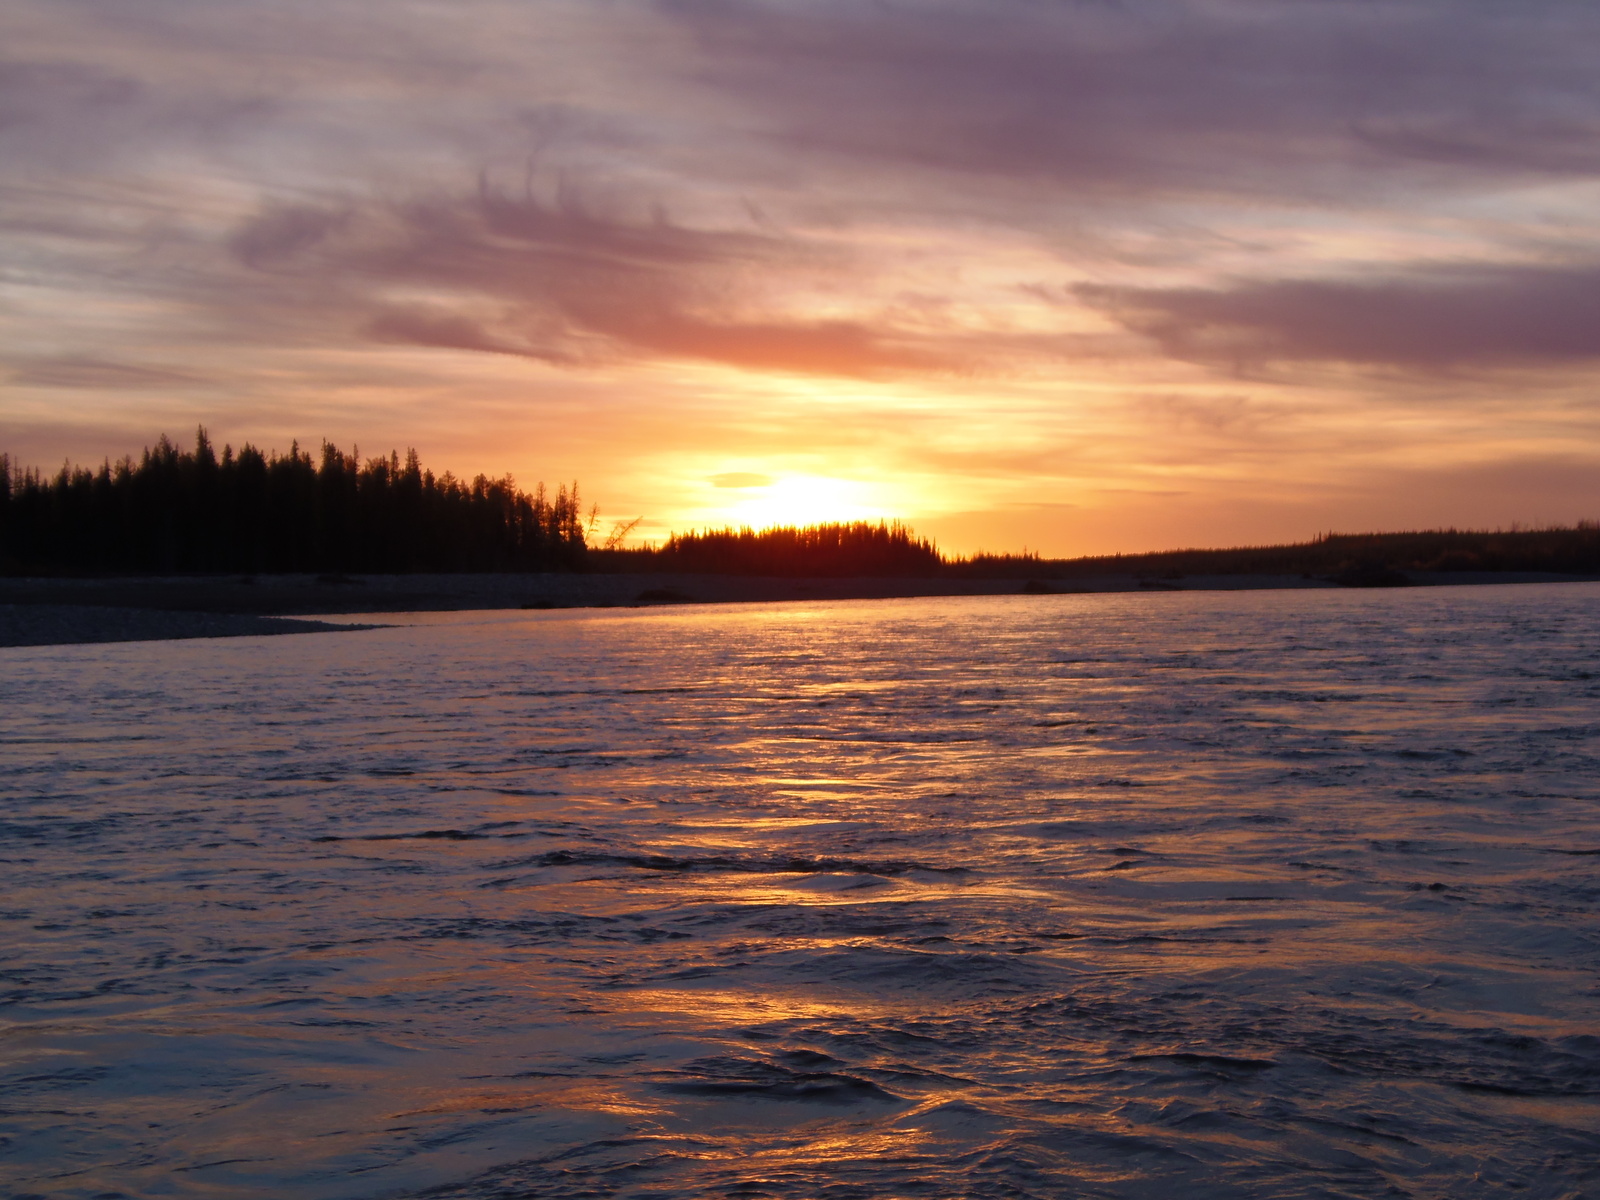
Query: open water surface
pixel 1287 894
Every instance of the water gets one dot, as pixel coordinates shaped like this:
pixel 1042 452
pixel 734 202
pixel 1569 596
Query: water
pixel 1185 895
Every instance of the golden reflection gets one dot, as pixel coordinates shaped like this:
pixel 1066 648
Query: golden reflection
pixel 580 1095
pixel 728 1008
pixel 753 824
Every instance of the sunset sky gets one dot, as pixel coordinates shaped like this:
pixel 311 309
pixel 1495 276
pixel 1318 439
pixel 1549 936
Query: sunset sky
pixel 1075 275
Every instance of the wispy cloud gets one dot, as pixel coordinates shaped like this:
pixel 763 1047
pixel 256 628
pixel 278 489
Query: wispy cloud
pixel 1301 97
pixel 564 284
pixel 1424 320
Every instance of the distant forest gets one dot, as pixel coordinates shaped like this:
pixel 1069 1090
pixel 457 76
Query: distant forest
pixel 194 511
pixel 834 551
pixel 1358 559
pixel 200 512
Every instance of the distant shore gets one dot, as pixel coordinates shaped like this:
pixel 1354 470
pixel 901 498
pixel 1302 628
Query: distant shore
pixel 65 611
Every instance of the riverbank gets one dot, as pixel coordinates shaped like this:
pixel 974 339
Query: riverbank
pixel 73 624
pixel 54 611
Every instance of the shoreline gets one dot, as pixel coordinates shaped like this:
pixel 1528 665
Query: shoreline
pixel 42 611
pixel 86 624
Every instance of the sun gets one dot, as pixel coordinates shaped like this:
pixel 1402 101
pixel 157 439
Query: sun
pixel 801 500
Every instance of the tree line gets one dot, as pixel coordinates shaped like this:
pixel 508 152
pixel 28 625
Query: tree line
pixel 1340 557
pixel 178 510
pixel 196 511
pixel 837 550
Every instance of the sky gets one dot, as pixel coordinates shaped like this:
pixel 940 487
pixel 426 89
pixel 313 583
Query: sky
pixel 1071 276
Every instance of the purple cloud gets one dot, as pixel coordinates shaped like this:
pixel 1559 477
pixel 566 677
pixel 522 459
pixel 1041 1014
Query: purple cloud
pixel 561 283
pixel 1446 318
pixel 1292 98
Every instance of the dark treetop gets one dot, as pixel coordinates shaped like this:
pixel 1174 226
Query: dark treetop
pixel 178 510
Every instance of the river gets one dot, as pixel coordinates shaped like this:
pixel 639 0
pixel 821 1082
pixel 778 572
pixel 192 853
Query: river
pixel 1263 894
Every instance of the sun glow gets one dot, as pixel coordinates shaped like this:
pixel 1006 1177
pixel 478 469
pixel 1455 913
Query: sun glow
pixel 800 500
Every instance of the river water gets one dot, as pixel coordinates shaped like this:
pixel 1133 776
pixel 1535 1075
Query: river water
pixel 1283 894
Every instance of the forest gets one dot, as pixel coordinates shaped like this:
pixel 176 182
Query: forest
pixel 828 551
pixel 1358 559
pixel 195 511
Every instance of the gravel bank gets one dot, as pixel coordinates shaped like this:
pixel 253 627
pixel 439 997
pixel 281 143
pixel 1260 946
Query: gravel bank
pixel 310 595
pixel 68 624
pixel 49 611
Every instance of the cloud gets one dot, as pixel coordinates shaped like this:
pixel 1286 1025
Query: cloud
pixel 1213 97
pixel 1431 319
pixel 89 117
pixel 282 234
pixel 87 372
pixel 741 479
pixel 446 330
pixel 560 282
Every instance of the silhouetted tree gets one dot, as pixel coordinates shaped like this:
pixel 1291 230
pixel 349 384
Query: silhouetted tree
pixel 193 511
pixel 858 548
pixel 1573 550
